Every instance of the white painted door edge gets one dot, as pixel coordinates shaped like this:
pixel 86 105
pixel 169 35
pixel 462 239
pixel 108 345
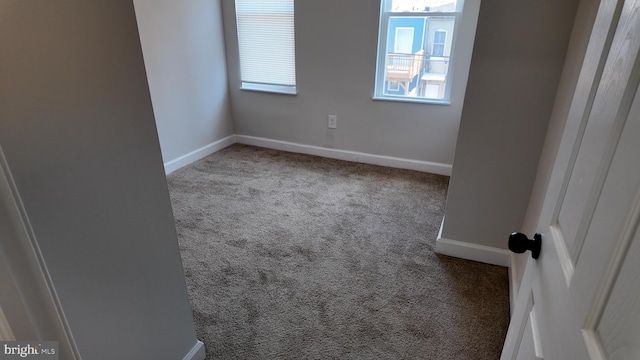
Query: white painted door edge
pixel 197 352
pixel 45 314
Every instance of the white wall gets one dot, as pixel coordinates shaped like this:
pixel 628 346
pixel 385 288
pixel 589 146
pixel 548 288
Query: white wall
pixel 183 49
pixel 78 132
pixel 336 44
pixel 518 56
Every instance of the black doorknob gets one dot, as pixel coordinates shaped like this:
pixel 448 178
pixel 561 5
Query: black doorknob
pixel 519 243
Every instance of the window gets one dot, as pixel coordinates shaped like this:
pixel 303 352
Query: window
pixel 439 40
pixel 414 49
pixel 403 41
pixel 266 44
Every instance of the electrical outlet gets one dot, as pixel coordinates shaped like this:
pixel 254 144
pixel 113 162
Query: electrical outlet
pixel 333 121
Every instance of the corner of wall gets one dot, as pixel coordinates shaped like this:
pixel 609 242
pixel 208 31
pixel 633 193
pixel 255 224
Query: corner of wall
pixel 184 55
pixel 488 255
pixel 198 154
pixel 471 251
pixel 475 252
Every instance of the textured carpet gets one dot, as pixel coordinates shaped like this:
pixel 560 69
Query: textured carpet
pixel 290 256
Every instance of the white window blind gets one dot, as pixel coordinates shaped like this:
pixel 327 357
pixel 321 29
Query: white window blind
pixel 267 44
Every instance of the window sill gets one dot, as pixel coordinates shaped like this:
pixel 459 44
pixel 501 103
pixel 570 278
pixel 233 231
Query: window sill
pixel 412 100
pixel 276 89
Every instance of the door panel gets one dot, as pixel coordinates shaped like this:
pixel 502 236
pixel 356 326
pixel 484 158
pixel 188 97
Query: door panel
pixel 602 131
pixel 614 202
pixel 577 119
pixel 585 182
pixel 617 292
pixel 619 329
pixel 529 346
pixel 585 282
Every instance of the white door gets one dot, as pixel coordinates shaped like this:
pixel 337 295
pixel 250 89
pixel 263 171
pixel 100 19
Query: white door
pixel 404 40
pixel 581 298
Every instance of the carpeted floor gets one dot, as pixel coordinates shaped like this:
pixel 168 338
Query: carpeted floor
pixel 290 256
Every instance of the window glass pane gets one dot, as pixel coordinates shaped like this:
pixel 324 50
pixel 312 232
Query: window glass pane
pixel 416 58
pixel 423 5
pixel 439 42
pixel 439 36
pixel 438 50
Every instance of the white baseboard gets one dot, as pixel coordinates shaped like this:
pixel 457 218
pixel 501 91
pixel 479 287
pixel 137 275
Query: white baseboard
pixel 198 154
pixel 381 160
pixel 389 161
pixel 475 252
pixel 196 352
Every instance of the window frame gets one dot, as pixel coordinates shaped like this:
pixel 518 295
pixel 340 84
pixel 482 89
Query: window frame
pixel 383 31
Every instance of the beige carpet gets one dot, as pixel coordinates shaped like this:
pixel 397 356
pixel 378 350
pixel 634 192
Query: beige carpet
pixel 291 256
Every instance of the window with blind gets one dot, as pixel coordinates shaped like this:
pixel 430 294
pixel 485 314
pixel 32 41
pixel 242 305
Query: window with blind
pixel 267 45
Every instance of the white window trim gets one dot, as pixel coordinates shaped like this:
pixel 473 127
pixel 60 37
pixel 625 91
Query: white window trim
pixel 383 29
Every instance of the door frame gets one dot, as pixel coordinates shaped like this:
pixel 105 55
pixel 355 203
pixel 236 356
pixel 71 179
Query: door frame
pixel 29 302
